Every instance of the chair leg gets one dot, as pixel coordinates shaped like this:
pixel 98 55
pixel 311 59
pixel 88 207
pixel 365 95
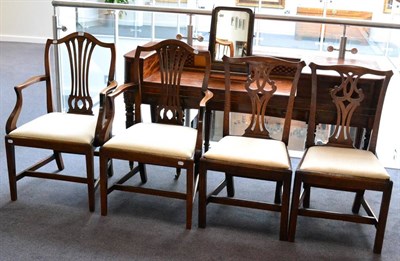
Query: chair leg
pixel 90 179
pixel 110 170
pixel 103 185
pixel 285 209
pixel 143 172
pixel 383 213
pixel 278 192
pixel 10 151
pixel 357 201
pixel 189 196
pixel 178 173
pixel 307 196
pixel 295 208
pixel 207 130
pixel 230 187
pixel 202 197
pixel 59 160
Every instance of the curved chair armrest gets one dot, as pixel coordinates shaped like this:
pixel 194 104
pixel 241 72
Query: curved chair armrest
pixel 107 110
pixel 111 86
pixel 207 96
pixel 203 103
pixel 121 89
pixel 13 118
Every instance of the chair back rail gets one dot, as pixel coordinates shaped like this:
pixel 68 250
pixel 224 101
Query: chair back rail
pixel 261 84
pixel 172 56
pixel 347 95
pixel 80 47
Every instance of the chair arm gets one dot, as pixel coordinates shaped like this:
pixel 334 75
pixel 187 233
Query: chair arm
pixel 13 118
pixel 207 96
pixel 202 106
pixel 107 110
pixel 111 86
pixel 121 89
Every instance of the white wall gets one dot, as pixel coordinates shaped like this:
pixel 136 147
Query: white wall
pixel 26 21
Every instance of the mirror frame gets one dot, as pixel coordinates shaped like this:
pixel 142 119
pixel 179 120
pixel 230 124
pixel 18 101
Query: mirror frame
pixel 216 64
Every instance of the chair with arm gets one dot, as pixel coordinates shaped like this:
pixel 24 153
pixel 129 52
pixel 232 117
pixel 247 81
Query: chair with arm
pixel 165 141
pixel 338 165
pixel 74 131
pixel 254 154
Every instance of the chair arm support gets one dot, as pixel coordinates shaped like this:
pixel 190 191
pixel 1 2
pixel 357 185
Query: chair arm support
pixel 13 118
pixel 103 129
pixel 199 140
pixel 107 110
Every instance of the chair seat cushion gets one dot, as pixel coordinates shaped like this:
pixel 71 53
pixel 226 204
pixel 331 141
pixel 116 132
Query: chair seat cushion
pixel 57 126
pixel 158 139
pixel 245 150
pixel 343 161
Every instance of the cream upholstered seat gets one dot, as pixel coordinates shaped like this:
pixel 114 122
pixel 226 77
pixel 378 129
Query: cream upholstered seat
pixel 55 126
pixel 165 141
pixel 74 131
pixel 343 161
pixel 253 154
pixel 156 139
pixel 340 164
pixel 253 151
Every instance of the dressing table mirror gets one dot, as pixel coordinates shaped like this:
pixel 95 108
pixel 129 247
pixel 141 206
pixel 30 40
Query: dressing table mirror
pixel 231 34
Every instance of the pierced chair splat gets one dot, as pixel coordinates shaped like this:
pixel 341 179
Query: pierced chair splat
pixel 75 131
pixel 254 155
pixel 338 164
pixel 164 141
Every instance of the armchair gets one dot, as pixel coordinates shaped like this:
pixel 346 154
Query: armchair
pixel 75 131
pixel 165 141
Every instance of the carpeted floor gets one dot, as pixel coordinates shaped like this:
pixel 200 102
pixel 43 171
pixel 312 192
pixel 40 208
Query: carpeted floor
pixel 50 220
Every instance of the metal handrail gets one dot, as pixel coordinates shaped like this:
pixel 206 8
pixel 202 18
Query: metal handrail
pixel 291 18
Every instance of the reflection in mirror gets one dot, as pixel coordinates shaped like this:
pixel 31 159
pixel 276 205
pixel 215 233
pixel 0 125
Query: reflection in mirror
pixel 231 32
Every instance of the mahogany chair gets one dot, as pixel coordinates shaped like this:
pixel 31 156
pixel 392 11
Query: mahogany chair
pixel 254 154
pixel 338 164
pixel 75 131
pixel 165 141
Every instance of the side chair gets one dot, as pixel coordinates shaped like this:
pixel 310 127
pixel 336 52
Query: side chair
pixel 74 131
pixel 338 164
pixel 223 47
pixel 166 141
pixel 254 154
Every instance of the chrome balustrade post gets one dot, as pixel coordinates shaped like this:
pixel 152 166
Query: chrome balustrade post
pixel 190 31
pixel 57 77
pixel 342 45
